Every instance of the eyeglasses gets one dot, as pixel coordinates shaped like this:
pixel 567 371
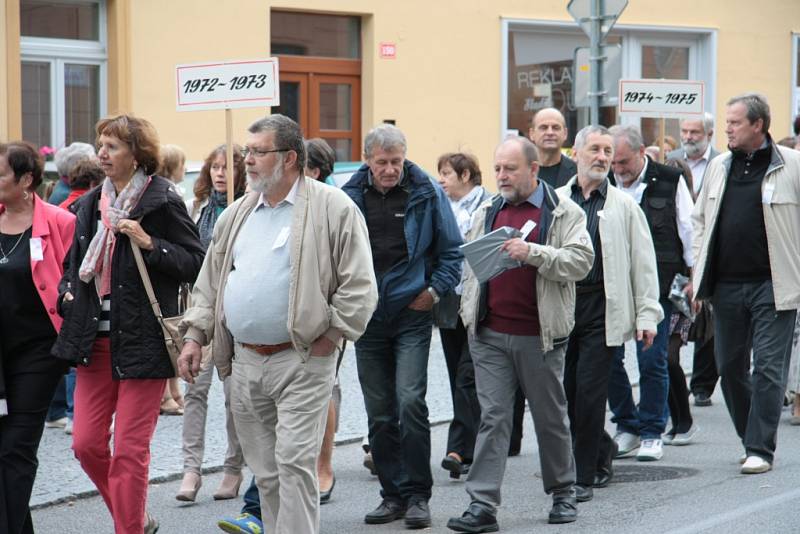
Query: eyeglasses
pixel 260 153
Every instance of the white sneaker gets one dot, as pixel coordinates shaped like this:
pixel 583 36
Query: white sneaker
pixel 56 423
pixel 68 427
pixel 755 465
pixel 627 443
pixel 686 437
pixel 666 439
pixel 742 458
pixel 650 450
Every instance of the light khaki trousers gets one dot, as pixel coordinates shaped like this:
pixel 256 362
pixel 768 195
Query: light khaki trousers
pixel 279 405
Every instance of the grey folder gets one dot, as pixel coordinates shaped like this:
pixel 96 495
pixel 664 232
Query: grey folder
pixel 485 257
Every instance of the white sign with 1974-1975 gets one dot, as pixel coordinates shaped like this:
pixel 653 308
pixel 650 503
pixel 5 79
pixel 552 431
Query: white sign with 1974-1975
pixel 661 98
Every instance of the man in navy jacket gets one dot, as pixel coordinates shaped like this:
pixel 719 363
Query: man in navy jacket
pixel 415 240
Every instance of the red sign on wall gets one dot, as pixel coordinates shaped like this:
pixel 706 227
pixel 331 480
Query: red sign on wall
pixel 388 51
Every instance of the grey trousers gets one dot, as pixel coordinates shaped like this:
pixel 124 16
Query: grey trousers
pixel 502 362
pixel 280 406
pixel 194 423
pixel 754 403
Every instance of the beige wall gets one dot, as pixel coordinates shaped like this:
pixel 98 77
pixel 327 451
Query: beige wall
pixel 443 89
pixel 10 105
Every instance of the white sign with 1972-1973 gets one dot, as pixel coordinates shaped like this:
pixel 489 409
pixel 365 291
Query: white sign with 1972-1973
pixel 661 98
pixel 228 84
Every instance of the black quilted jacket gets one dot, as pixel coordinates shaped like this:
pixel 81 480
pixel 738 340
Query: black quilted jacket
pixel 137 345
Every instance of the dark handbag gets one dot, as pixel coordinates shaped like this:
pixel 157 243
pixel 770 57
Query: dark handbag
pixel 169 326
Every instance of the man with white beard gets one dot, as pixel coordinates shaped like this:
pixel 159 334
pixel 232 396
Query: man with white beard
pixel 287 277
pixel 696 149
pixel 616 301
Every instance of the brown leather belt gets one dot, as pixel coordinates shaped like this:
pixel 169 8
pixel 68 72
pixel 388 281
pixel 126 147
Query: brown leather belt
pixel 267 350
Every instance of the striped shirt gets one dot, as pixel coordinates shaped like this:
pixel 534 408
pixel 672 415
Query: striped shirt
pixel 591 206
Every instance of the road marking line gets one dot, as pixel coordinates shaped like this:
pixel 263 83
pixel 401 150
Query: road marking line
pixel 728 517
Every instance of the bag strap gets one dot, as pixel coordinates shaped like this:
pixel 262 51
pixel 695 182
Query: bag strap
pixel 148 286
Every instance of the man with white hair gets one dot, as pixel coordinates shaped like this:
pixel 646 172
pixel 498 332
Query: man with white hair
pixel 696 148
pixel 617 301
pixel 65 160
pixel 414 238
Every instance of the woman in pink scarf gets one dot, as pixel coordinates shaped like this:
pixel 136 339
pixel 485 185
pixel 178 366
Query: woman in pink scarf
pixel 109 330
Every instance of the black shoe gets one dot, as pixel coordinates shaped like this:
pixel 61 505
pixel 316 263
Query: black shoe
pixel 386 512
pixel 701 398
pixel 325 496
pixel 564 508
pixel 418 515
pixel 604 473
pixel 474 521
pixel 455 467
pixel 583 493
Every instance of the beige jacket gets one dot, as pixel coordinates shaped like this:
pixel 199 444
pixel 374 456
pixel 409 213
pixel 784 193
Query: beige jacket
pixel 781 219
pixel 332 288
pixel 630 278
pixel 565 257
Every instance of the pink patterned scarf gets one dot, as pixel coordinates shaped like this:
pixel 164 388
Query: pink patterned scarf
pixel 113 208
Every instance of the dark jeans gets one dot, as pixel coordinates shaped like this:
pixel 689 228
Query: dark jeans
pixel 650 418
pixel 58 406
pixel 678 399
pixel 587 369
pixel 252 501
pixel 31 376
pixel 392 360
pixel 466 410
pixel 754 403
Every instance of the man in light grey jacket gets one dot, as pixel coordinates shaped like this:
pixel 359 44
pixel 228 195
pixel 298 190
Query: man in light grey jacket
pixel 287 276
pixel 617 301
pixel 747 259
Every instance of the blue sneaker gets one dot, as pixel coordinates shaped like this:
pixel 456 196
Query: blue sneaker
pixel 243 524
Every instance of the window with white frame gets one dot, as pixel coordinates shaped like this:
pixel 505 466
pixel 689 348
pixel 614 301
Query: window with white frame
pixel 538 69
pixel 64 57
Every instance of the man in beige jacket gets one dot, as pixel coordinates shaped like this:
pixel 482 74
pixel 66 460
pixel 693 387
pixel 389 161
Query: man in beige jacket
pixel 287 276
pixel 518 323
pixel 747 264
pixel 617 301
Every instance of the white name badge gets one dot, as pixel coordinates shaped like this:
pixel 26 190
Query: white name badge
pixel 526 229
pixel 282 238
pixel 36 249
pixel 766 196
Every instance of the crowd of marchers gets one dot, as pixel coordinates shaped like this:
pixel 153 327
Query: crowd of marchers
pixel 605 247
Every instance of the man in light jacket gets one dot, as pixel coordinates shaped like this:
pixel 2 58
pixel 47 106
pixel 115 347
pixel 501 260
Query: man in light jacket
pixel 518 323
pixel 286 278
pixel 747 258
pixel 617 301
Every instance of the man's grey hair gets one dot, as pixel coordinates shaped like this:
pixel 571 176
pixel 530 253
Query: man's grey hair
pixel 386 137
pixel 529 150
pixel 69 156
pixel 288 135
pixel 707 121
pixel 628 133
pixel 586 131
pixel 757 107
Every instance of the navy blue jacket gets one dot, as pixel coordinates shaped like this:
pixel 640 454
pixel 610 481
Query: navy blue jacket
pixel 432 237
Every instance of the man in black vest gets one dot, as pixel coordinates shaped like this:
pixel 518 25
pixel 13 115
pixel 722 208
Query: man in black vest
pixel 548 132
pixel 667 204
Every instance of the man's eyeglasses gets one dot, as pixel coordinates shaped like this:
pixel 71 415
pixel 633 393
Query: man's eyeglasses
pixel 260 153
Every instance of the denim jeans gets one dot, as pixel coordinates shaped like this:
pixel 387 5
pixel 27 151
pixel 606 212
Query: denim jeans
pixel 252 501
pixel 649 419
pixel 58 406
pixel 392 360
pixel 70 392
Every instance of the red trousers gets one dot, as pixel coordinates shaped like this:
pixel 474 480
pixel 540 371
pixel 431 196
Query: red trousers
pixel 121 477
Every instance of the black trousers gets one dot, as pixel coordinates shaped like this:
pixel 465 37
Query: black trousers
pixel 678 397
pixel 704 368
pixel 31 376
pixel 587 369
pixel 466 410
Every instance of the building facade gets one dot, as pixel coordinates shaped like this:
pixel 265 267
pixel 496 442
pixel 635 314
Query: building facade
pixel 452 75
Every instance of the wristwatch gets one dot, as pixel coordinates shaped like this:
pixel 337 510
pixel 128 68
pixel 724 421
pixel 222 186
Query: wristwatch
pixel 434 294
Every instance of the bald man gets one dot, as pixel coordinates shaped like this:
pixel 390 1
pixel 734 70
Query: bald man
pixel 548 132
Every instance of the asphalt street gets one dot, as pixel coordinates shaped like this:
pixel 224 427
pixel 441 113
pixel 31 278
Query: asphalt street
pixel 696 488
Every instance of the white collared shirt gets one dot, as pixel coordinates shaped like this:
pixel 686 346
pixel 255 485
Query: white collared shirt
pixel 684 205
pixel 698 168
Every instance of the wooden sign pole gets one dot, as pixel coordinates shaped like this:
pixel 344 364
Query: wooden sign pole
pixel 662 156
pixel 229 153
